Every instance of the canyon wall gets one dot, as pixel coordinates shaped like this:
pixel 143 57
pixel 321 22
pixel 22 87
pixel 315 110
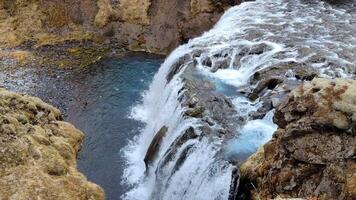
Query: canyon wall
pixel 156 26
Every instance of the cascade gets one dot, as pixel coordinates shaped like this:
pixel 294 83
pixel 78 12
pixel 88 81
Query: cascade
pixel 211 103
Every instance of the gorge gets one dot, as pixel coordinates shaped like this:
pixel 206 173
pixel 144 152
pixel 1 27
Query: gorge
pixel 272 76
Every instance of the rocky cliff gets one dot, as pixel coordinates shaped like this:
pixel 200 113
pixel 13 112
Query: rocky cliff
pixel 38 152
pixel 312 154
pixel 149 25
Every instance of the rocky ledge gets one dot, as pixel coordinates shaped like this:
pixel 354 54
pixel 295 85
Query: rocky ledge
pixel 38 152
pixel 312 154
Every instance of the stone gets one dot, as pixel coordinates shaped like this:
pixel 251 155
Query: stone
pixel 38 152
pixel 312 153
pixel 153 149
pixel 135 11
pixel 104 13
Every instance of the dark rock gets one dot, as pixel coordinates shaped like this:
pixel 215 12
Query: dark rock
pixel 177 66
pixel 182 157
pixel 269 83
pixel 207 62
pixel 154 146
pixel 234 186
pixel 189 134
pixel 220 64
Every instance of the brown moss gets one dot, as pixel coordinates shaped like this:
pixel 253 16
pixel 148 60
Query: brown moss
pixel 32 165
pixel 57 16
pixel 46 39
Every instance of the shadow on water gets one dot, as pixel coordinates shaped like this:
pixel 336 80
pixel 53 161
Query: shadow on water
pixel 97 100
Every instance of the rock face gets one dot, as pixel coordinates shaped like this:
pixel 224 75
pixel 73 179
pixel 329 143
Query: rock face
pixel 149 25
pixel 312 155
pixel 38 152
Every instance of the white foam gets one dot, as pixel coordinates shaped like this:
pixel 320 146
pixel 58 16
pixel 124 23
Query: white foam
pixel 285 31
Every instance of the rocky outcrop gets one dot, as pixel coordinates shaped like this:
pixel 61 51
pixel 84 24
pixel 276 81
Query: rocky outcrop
pixel 273 84
pixel 156 26
pixel 312 154
pixel 38 152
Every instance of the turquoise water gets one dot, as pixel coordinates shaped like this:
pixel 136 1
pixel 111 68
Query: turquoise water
pixel 97 100
pixel 104 99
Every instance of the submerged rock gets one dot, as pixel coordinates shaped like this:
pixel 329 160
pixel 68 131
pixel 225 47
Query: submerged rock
pixel 38 152
pixel 312 153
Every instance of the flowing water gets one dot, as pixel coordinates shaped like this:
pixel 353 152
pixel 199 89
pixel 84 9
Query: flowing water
pixel 104 100
pixel 251 37
pixel 97 100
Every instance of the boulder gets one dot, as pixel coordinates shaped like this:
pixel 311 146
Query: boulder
pixel 312 154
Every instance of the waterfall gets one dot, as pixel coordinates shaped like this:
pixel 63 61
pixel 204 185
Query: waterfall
pixel 198 120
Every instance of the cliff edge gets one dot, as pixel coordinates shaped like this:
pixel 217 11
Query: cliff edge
pixel 312 154
pixel 38 152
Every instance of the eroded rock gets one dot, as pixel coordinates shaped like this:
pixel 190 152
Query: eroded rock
pixel 139 25
pixel 312 153
pixel 38 152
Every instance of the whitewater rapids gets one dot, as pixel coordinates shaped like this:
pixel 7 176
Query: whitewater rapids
pixel 312 33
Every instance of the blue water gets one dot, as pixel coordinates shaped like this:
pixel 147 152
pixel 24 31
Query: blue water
pixel 97 100
pixel 104 99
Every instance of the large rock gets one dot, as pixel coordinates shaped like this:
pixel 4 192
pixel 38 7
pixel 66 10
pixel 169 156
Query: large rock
pixel 313 152
pixel 38 152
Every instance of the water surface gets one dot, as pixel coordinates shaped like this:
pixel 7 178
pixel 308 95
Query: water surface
pixel 98 101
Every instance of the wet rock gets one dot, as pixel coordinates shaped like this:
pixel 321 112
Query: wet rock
pixel 259 49
pixel 171 154
pixel 177 66
pixel 195 112
pixel 38 152
pixel 207 62
pixel 220 64
pixel 274 83
pixel 235 180
pixel 155 145
pixel 269 83
pixel 204 102
pixel 312 153
pixel 189 134
pixel 182 157
pixel 298 70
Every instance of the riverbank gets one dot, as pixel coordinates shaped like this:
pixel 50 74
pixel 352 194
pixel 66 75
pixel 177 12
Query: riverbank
pixel 68 55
